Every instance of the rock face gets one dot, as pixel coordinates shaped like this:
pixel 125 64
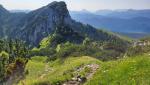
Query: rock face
pixel 42 22
pixel 35 25
pixel 3 11
pixel 32 27
pixel 3 16
pixel 9 22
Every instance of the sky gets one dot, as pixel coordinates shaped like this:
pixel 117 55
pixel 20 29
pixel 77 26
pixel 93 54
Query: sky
pixel 77 5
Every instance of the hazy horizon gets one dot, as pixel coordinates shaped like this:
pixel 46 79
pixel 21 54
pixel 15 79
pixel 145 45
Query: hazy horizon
pixel 78 5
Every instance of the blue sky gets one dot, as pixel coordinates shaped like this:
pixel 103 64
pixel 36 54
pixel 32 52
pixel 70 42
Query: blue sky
pixel 90 5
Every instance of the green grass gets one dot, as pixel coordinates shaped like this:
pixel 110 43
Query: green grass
pixel 118 35
pixel 127 71
pixel 35 67
pixel 61 70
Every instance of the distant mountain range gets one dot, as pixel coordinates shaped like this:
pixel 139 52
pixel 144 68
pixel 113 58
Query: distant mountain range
pixel 125 13
pixel 123 21
pixel 130 22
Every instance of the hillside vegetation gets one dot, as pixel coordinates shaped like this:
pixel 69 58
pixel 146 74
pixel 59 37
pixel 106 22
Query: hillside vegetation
pixel 53 49
pixel 127 71
pixel 58 70
pixel 13 58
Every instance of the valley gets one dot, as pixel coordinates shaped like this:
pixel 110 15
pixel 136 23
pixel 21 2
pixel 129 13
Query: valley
pixel 131 23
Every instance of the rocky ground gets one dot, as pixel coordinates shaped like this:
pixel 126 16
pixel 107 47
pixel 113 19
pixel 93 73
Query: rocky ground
pixel 78 80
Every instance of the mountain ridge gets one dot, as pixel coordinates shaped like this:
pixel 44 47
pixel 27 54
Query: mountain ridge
pixel 114 23
pixel 32 27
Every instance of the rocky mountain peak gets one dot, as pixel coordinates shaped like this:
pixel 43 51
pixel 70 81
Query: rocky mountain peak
pixel 58 7
pixel 2 9
pixel 44 21
pixel 1 6
pixel 35 25
pixel 55 3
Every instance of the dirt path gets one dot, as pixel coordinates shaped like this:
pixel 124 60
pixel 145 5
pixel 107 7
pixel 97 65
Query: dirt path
pixel 78 80
pixel 94 68
pixel 46 71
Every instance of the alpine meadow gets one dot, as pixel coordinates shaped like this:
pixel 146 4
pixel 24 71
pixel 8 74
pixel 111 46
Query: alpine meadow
pixel 74 42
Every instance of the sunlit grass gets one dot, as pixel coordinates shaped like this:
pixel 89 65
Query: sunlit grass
pixel 129 71
pixel 35 67
pixel 60 70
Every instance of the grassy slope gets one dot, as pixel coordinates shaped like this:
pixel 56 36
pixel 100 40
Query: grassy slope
pixel 123 37
pixel 36 68
pixel 127 71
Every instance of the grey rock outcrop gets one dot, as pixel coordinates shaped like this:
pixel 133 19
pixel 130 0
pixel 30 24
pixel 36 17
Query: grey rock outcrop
pixel 42 22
